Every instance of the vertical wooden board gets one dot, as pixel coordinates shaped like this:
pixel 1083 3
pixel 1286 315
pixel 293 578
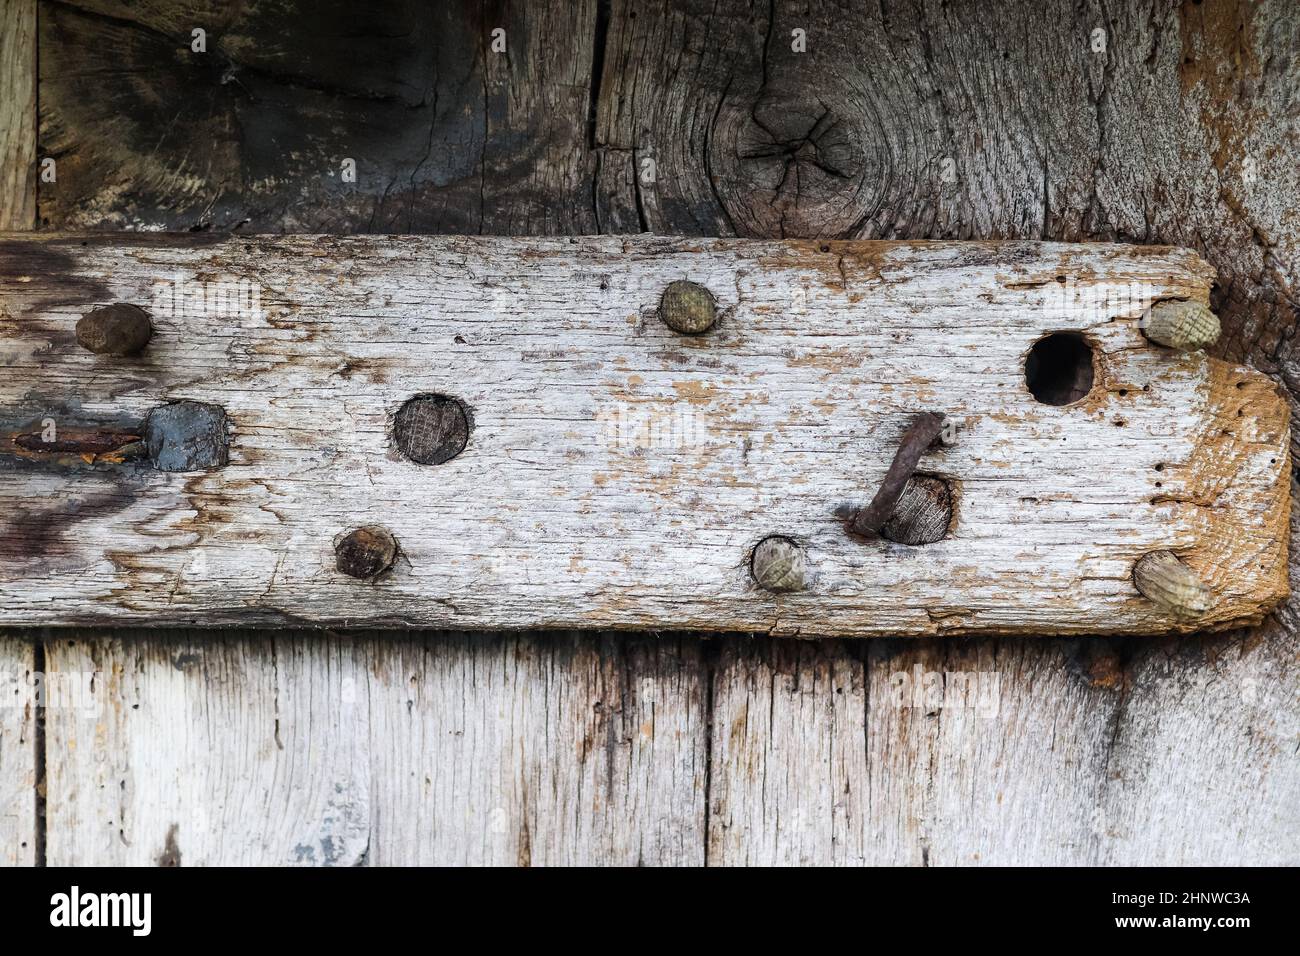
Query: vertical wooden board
pixel 788 781
pixel 1203 767
pixel 310 749
pixel 239 751
pixel 18 705
pixel 855 755
pixel 17 114
pixel 18 715
pixel 539 750
pixel 990 752
pixel 1001 752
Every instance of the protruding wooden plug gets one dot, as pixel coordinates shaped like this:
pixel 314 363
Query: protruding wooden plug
pixel 1164 579
pixel 688 308
pixel 365 553
pixel 431 429
pixel 778 564
pixel 117 329
pixel 1186 326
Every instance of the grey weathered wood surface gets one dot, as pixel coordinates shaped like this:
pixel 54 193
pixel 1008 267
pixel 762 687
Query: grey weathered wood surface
pixel 559 512
pixel 1178 750
pixel 18 169
pixel 18 714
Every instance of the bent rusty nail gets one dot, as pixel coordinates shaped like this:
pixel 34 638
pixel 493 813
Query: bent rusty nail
pixel 920 434
pixel 89 445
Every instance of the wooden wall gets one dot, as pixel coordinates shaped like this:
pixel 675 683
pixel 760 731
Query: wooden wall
pixel 1179 123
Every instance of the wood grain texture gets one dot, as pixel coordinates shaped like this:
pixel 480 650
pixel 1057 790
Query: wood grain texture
pixel 446 134
pixel 448 750
pixel 550 517
pixel 1182 132
pixel 1006 751
pixel 19 701
pixel 17 114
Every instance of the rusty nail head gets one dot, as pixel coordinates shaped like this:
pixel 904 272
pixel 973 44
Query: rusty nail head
pixel 688 308
pixel 187 436
pixel 365 553
pixel 117 329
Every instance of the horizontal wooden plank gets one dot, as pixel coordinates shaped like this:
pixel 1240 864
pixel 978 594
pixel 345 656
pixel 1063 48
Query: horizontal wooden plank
pixel 617 473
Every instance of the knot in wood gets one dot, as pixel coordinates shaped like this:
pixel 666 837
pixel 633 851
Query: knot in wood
pixel 431 429
pixel 778 564
pixel 688 308
pixel 800 162
pixel 365 553
pixel 117 329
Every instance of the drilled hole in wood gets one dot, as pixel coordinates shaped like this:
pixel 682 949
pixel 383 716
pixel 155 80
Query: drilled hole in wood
pixel 1059 369
pixel 431 429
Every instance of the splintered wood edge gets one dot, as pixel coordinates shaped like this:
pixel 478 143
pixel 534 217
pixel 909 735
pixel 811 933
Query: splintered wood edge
pixel 1241 553
pixel 1226 503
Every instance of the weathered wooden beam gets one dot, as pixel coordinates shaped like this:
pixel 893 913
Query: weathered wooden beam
pixel 544 451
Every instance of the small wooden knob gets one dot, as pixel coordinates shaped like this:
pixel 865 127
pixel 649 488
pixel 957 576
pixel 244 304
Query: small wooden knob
pixel 778 565
pixel 923 513
pixel 431 429
pixel 365 553
pixel 688 308
pixel 1186 326
pixel 1165 580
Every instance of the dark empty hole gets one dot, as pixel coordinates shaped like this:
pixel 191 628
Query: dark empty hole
pixel 1058 370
